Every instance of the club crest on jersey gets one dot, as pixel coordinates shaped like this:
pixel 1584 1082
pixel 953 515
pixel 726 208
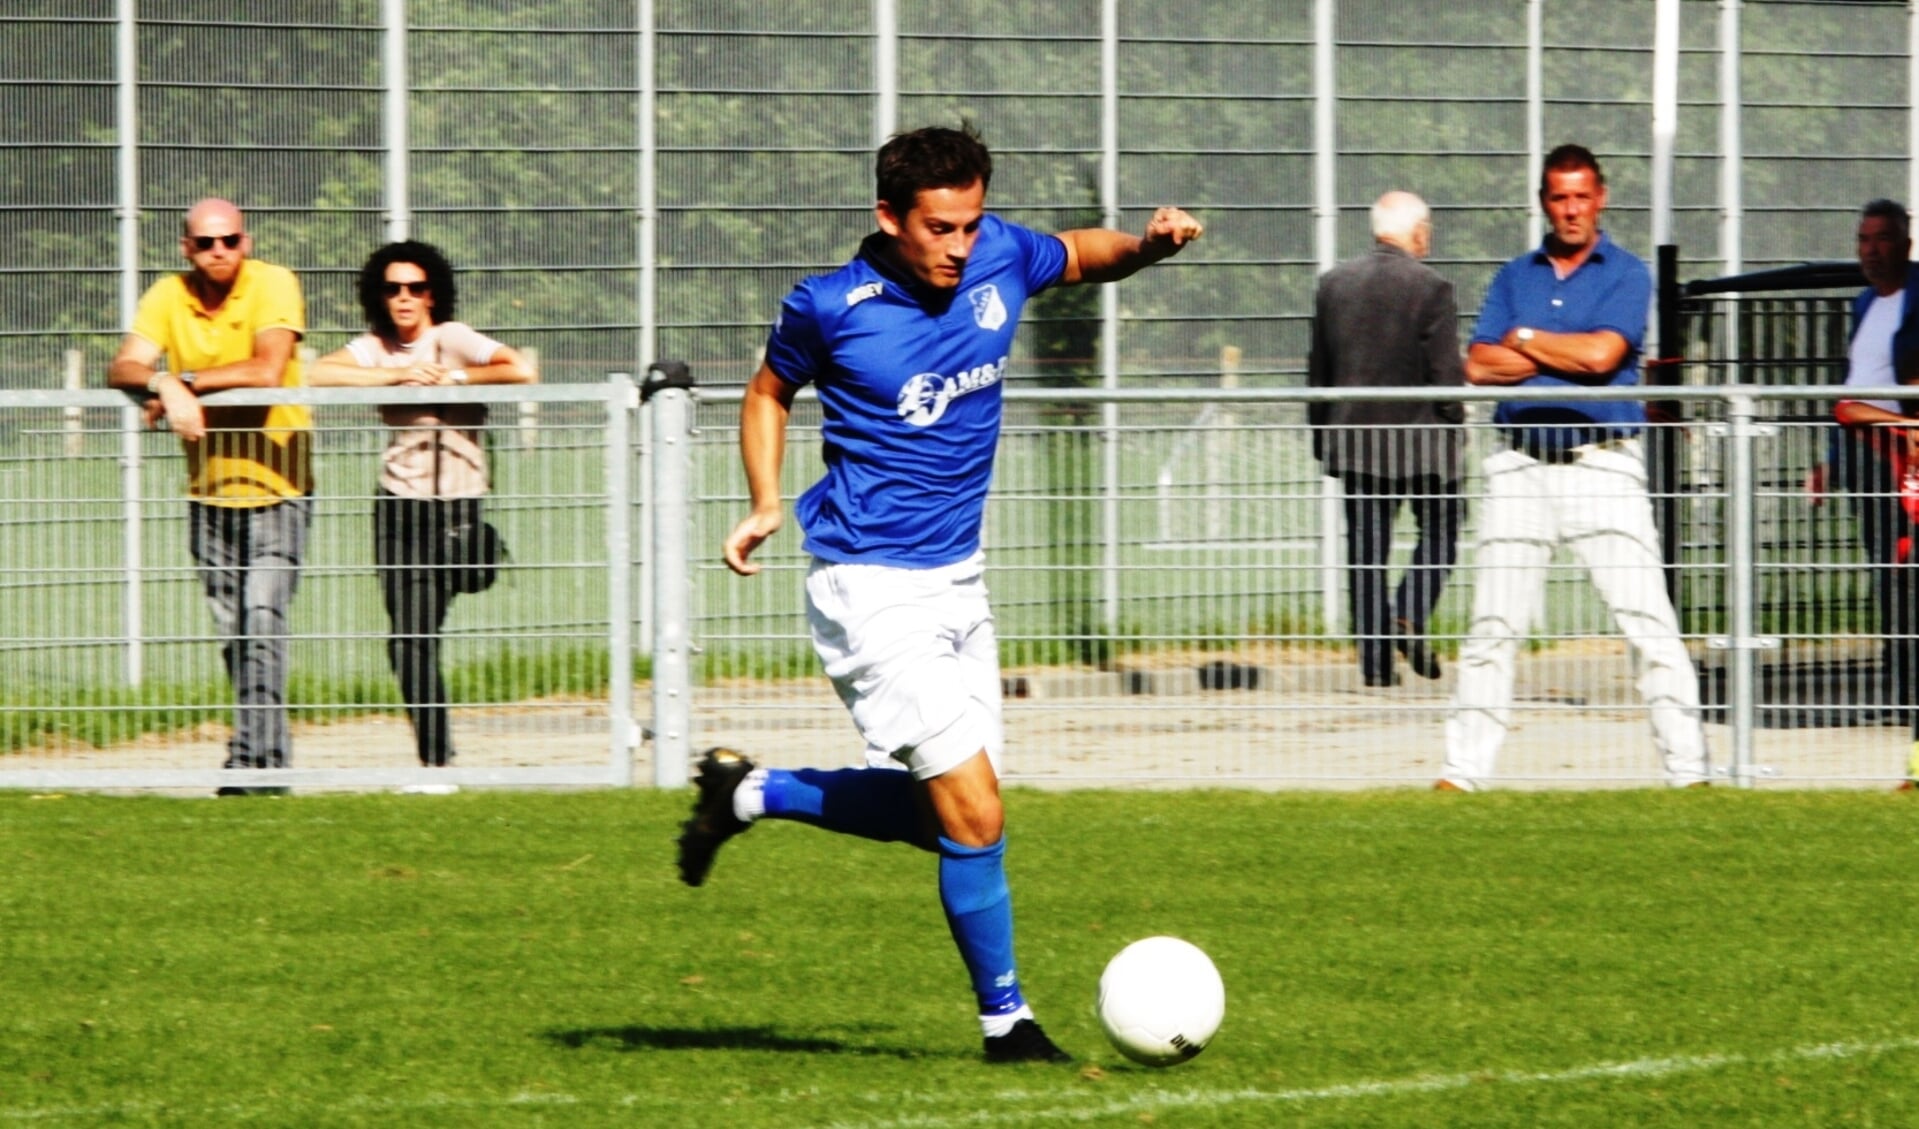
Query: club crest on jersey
pixel 924 396
pixel 988 311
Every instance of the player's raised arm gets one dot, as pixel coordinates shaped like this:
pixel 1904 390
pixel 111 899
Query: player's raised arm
pixel 763 414
pixel 1098 254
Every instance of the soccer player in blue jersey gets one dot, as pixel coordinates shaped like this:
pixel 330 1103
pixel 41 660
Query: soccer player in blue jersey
pixel 906 346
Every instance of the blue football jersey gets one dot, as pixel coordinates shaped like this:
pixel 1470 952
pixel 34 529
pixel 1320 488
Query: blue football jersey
pixel 909 388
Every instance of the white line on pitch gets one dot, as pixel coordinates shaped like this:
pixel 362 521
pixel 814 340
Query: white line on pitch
pixel 1206 1099
pixel 1007 1110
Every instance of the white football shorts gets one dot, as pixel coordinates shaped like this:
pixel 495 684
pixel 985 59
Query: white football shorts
pixel 913 654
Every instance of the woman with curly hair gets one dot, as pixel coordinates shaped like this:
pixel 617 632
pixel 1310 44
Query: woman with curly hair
pixel 433 472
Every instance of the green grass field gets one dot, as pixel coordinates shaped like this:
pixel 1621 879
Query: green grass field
pixel 1391 959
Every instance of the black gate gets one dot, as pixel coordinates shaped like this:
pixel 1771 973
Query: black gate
pixel 1787 327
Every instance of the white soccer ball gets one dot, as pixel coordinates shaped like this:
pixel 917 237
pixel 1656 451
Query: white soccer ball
pixel 1161 1000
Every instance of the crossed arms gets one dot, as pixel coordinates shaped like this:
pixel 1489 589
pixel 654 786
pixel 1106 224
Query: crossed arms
pixel 1589 358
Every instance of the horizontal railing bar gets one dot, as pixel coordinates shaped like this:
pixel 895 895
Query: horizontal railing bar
pixel 600 393
pixel 355 778
pixel 584 393
pixel 1692 393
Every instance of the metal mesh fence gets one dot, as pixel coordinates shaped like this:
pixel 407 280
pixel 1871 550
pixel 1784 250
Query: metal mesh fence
pixel 114 660
pixel 619 181
pixel 1186 621
pixel 1227 652
pixel 608 204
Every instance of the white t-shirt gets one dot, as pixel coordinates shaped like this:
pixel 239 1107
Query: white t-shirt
pixel 1869 360
pixel 435 451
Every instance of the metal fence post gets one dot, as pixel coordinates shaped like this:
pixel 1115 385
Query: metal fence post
pixel 1535 107
pixel 1109 345
pixel 1325 135
pixel 624 737
pixel 133 613
pixel 886 70
pixel 647 212
pixel 127 167
pixel 1732 206
pixel 643 531
pixel 669 393
pixel 1739 640
pixel 393 119
pixel 127 172
pixel 1332 518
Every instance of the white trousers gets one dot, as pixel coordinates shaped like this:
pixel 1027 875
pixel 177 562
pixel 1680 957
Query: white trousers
pixel 1595 505
pixel 913 655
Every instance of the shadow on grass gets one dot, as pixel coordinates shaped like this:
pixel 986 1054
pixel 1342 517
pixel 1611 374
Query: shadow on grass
pixel 636 1038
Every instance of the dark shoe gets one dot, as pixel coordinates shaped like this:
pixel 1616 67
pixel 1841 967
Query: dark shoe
pixel 239 790
pixel 1390 678
pixel 1907 786
pixel 1418 654
pixel 1024 1043
pixel 713 822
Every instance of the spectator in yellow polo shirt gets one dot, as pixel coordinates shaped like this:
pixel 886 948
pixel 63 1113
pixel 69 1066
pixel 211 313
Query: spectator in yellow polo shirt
pixel 234 322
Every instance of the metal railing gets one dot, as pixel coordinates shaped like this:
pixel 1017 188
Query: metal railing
pixel 1219 655
pixel 1171 614
pixel 109 663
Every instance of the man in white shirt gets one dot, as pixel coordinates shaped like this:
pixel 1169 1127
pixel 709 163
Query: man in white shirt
pixel 1878 439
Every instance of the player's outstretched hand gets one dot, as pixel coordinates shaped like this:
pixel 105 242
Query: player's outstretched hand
pixel 1170 229
pixel 746 537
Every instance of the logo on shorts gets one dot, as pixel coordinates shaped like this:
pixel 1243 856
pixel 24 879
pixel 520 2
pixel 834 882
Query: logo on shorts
pixel 924 396
pixel 988 311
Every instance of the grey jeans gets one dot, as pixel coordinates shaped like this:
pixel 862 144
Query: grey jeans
pixel 250 563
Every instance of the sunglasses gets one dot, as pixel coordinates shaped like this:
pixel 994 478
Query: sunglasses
pixel 206 242
pixel 421 289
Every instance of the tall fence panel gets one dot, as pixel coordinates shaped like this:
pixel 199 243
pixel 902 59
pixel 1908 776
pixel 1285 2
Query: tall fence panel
pixel 524 139
pixel 1219 666
pixel 537 678
pixel 766 129
pixel 1827 109
pixel 58 191
pixel 524 164
pixel 1222 668
pixel 279 111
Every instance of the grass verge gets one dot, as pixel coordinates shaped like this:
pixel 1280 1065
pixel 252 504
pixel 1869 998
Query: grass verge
pixel 1391 959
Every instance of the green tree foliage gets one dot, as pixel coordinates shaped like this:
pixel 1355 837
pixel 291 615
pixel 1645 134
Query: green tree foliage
pixel 525 163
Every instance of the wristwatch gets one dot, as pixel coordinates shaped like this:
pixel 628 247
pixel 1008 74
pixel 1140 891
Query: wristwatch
pixel 457 376
pixel 1523 335
pixel 153 382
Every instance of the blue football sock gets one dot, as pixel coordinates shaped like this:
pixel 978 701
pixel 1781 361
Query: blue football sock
pixel 979 910
pixel 872 803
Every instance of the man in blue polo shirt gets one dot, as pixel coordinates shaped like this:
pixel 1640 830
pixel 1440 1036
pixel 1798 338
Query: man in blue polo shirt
pixel 1570 314
pixel 907 345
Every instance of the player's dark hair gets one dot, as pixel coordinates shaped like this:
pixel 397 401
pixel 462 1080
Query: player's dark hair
pixel 1570 158
pixel 1885 209
pixel 439 278
pixel 932 157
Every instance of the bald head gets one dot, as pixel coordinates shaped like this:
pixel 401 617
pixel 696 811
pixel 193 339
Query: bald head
pixel 1403 220
pixel 213 237
pixel 212 211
